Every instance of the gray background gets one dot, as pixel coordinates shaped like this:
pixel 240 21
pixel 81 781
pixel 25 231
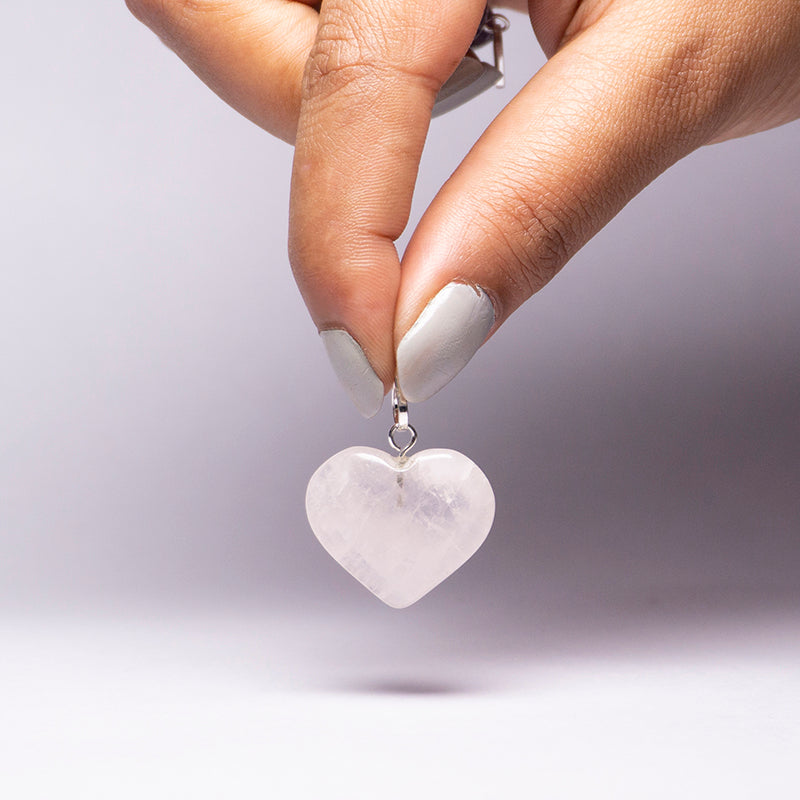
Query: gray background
pixel 164 396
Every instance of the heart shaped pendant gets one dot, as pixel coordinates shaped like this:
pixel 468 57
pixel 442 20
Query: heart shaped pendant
pixel 400 525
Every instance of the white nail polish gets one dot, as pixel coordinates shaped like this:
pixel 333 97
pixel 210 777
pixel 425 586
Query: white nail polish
pixel 444 338
pixel 354 371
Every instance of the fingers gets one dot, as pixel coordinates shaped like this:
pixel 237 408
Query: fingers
pixel 605 116
pixel 369 87
pixel 250 52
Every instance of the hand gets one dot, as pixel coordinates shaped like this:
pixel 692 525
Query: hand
pixel 630 87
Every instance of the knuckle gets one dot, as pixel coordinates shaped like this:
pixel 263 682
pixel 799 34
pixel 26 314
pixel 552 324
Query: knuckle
pixel 676 77
pixel 680 88
pixel 691 80
pixel 531 237
pixel 348 56
pixel 337 56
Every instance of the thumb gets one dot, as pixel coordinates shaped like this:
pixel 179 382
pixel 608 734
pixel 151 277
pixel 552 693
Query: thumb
pixel 619 104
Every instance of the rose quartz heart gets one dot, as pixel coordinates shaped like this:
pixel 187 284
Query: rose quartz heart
pixel 400 526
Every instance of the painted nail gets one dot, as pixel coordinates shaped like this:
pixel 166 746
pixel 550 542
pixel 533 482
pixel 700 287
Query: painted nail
pixel 444 338
pixel 354 372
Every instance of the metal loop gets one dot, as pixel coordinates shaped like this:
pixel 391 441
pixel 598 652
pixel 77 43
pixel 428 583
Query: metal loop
pixel 402 449
pixel 401 423
pixel 498 22
pixel 490 24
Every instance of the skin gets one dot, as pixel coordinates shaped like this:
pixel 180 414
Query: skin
pixel 630 87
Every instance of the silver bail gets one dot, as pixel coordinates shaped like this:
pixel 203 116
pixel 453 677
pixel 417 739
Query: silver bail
pixel 401 423
pixel 399 407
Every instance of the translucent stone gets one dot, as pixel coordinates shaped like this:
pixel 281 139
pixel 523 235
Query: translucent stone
pixel 400 526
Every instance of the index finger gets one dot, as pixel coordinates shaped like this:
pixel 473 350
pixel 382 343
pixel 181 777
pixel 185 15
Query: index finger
pixel 368 90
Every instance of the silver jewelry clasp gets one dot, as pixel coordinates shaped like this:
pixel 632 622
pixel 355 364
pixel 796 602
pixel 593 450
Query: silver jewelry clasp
pixel 473 76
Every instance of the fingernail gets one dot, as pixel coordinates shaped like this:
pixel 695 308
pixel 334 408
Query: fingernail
pixel 354 371
pixel 444 338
